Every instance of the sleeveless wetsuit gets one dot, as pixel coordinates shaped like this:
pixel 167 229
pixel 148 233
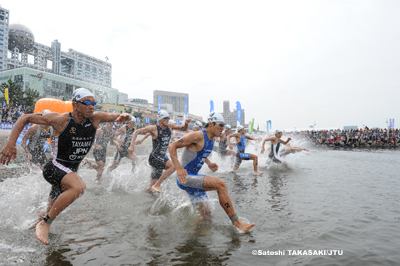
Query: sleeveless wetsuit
pixel 158 158
pixel 71 147
pixel 240 154
pixel 125 146
pixel 36 145
pixel 274 153
pixel 192 162
pixel 103 140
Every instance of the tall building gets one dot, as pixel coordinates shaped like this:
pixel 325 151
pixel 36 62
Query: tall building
pixel 47 69
pixel 231 117
pixel 174 99
pixel 4 21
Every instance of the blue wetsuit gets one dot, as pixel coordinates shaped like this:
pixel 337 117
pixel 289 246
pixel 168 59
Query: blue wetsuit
pixel 240 154
pixel 192 162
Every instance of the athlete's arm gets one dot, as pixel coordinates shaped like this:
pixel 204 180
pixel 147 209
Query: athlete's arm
pixel 101 117
pixel 118 141
pixel 183 127
pixel 233 135
pixel 58 121
pixel 285 142
pixel 263 143
pixel 212 166
pixel 31 131
pixel 146 130
pixel 145 137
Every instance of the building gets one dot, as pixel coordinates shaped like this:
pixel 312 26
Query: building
pixel 4 22
pixel 176 99
pixel 47 69
pixel 231 117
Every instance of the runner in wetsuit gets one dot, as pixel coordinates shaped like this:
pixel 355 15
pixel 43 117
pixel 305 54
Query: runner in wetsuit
pixel 158 160
pixel 122 145
pixel 104 136
pixel 223 143
pixel 197 147
pixel 37 136
pixel 275 145
pixel 74 135
pixel 241 137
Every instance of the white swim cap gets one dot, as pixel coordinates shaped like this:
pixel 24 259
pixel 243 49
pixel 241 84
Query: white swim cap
pixel 133 119
pixel 227 126
pixel 278 131
pixel 198 124
pixel 162 114
pixel 240 127
pixel 214 117
pixel 81 93
pixel 46 111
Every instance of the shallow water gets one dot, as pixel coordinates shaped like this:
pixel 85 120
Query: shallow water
pixel 330 201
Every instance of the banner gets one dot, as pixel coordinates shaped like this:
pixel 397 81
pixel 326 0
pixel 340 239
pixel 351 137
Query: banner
pixel 186 105
pixel 178 122
pixel 391 123
pixel 6 95
pixel 251 125
pixel 238 113
pixel 211 106
pixel 147 120
pixel 159 103
pixel 138 120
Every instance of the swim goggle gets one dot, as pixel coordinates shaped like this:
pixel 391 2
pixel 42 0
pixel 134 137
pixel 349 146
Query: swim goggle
pixel 87 103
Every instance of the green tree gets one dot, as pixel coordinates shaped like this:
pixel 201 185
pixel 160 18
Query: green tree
pixel 138 114
pixel 31 97
pixel 128 110
pixel 15 93
pixel 17 96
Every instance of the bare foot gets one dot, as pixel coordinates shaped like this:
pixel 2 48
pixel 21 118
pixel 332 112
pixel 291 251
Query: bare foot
pixel 243 226
pixel 42 232
pixel 157 189
pixel 148 189
pixel 258 173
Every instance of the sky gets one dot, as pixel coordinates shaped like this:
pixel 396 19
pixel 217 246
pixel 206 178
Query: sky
pixel 296 63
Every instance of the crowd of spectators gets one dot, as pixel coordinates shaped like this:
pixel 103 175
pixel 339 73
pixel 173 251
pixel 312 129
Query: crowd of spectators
pixel 10 114
pixel 376 137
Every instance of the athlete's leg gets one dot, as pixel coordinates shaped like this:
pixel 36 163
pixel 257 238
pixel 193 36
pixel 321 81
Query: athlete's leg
pixel 99 169
pixel 169 169
pixel 72 187
pixel 255 163
pixel 134 159
pixel 212 183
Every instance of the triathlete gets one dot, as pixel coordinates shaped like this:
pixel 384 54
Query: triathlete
pixel 275 145
pixel 74 135
pixel 37 136
pixel 158 160
pixel 241 137
pixel 197 147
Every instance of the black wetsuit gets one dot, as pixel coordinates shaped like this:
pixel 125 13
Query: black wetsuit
pixel 103 140
pixel 158 158
pixel 275 158
pixel 36 145
pixel 71 147
pixel 125 146
pixel 222 148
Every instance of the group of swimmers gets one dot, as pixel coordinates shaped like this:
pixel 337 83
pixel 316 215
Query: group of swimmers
pixel 74 134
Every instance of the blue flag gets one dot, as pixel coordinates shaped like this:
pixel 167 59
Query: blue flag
pixel 159 103
pixel 137 120
pixel 186 105
pixel 211 106
pixel 147 120
pixel 268 125
pixel 4 104
pixel 178 122
pixel 391 123
pixel 238 113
